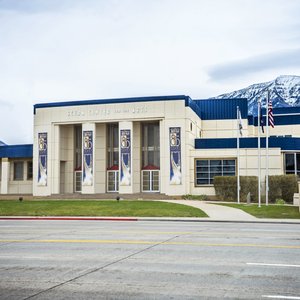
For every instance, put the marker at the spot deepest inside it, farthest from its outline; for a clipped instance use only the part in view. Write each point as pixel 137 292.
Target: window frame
pixel 15 163
pixel 296 170
pixel 28 170
pixel 222 159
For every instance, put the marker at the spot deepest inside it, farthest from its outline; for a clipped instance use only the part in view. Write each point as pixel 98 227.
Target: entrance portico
pixel 95 147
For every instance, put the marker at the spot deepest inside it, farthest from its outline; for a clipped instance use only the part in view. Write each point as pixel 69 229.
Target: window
pixel 18 170
pixel 206 169
pixel 29 170
pixel 292 163
pixel 112 146
pixel 78 147
pixel 150 145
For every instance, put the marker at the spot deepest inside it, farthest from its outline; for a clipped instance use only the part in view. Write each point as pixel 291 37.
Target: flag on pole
pixel 240 124
pixel 261 120
pixel 270 114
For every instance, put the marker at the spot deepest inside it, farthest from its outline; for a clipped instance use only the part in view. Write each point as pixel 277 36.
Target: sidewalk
pixel 222 213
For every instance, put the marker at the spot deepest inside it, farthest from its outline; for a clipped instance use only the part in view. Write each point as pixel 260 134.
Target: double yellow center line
pixel 140 242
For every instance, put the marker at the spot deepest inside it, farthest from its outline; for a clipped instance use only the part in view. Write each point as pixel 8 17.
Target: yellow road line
pixel 139 242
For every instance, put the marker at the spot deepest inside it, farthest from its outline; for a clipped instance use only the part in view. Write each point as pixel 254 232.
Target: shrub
pixel 195 197
pixel 279 201
pixel 283 187
pixel 226 187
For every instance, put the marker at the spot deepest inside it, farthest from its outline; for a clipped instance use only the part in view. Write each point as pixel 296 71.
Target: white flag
pixel 240 122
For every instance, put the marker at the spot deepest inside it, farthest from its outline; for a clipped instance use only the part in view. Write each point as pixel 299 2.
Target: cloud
pixel 34 6
pixel 5 104
pixel 281 60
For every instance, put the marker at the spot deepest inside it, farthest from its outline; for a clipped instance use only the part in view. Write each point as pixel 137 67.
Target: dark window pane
pixel 18 170
pixel 202 163
pixel 216 169
pixel 289 162
pixel 229 168
pixel 229 162
pixel 298 161
pixel 29 170
pixel 203 175
pixel 202 169
pixel 229 174
pixel 215 163
pixel 202 181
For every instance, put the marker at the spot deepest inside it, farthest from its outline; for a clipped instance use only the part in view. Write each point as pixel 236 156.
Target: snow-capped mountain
pixel 2 144
pixel 284 92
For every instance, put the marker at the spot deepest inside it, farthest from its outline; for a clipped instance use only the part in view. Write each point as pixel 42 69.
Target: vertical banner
pixel 125 153
pixel 87 176
pixel 175 156
pixel 43 156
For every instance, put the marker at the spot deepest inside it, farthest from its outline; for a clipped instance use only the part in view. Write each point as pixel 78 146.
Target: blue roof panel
pixel 17 151
pixel 222 109
pixel 110 101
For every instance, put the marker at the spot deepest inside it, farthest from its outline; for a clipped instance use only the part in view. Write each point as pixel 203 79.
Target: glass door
pixel 150 180
pixel 112 181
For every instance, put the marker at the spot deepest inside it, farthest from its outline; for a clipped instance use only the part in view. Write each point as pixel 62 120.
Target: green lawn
pixel 271 211
pixel 123 208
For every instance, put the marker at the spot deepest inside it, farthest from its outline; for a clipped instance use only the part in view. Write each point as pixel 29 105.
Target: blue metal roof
pixel 222 109
pixel 17 151
pixel 111 101
pixel 285 143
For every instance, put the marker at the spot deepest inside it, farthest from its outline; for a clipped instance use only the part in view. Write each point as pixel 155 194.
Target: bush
pixel 226 187
pixel 195 197
pixel 279 201
pixel 283 187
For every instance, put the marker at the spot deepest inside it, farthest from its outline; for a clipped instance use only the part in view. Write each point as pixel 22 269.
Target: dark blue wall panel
pixel 285 143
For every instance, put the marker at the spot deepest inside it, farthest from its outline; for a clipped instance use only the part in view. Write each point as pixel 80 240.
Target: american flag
pixel 270 114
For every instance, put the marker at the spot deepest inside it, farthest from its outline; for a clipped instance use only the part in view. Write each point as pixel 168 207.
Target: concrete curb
pixel 203 220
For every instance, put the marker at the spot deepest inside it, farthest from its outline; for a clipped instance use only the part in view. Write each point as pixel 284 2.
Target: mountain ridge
pixel 284 92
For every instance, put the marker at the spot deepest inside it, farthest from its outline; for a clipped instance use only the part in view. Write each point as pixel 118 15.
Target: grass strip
pixel 107 208
pixel 271 211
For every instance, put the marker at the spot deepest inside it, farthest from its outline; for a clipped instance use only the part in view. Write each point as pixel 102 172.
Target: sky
pixel 60 50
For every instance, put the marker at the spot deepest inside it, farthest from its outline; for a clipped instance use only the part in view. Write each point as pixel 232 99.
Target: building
pixel 170 144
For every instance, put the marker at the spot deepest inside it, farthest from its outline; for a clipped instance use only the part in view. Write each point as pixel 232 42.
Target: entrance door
pixel 112 181
pixel 78 180
pixel 150 180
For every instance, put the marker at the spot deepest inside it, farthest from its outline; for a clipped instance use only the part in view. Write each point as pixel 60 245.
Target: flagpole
pixel 258 141
pixel 267 148
pixel 238 154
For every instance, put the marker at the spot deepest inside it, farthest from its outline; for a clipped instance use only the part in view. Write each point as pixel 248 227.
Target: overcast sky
pixel 53 50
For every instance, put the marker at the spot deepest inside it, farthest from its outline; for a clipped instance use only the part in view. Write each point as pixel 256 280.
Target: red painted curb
pixel 70 219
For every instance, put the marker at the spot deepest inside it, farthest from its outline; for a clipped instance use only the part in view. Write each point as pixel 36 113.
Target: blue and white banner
pixel 43 157
pixel 175 156
pixel 125 155
pixel 88 152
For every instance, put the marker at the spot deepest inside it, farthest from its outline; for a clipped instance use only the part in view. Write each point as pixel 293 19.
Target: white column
pixel 164 167
pixel 88 185
pixel 136 158
pixel 56 160
pixel 126 182
pixel 5 175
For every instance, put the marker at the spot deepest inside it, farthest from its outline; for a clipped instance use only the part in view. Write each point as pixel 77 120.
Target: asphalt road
pixel 148 260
